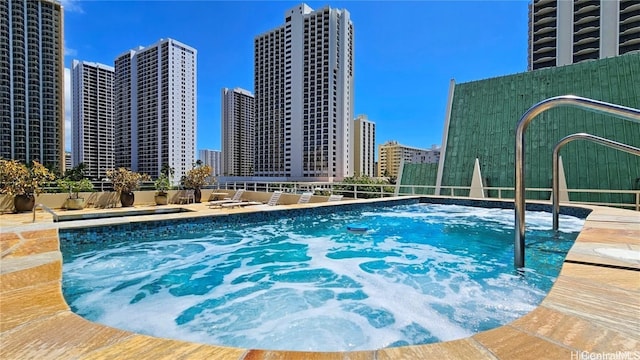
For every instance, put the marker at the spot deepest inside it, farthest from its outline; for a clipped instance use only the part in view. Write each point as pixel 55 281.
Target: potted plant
pixel 196 178
pixel 73 187
pixel 22 182
pixel 162 185
pixel 125 182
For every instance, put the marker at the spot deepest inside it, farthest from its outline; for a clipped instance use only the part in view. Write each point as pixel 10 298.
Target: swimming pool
pixel 306 283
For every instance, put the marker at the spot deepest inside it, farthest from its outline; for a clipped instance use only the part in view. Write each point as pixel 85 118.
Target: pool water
pixel 416 274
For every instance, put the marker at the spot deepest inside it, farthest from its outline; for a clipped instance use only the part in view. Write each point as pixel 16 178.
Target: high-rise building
pixel 563 32
pixel 364 146
pixel 32 82
pixel 304 96
pixel 238 132
pixel 391 154
pixel 68 162
pixel 155 108
pixel 212 158
pixel 92 117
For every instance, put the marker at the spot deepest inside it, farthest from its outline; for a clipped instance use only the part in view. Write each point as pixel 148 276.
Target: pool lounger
pixel 236 198
pixel 305 197
pixel 273 201
pixel 240 204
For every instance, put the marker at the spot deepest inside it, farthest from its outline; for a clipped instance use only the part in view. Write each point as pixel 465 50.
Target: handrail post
pixel 45 208
pixel 555 185
pixel 555 165
pixel 570 100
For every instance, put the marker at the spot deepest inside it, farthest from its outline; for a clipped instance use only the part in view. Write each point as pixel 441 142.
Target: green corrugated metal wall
pixel 485 113
pixel 418 174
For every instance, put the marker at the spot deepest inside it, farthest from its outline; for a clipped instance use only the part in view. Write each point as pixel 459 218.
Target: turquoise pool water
pixel 417 274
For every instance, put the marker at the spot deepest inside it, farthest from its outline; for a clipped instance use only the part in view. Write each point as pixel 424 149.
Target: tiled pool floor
pixel 592 310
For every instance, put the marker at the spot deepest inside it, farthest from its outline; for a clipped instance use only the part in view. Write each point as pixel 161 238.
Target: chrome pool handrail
pixel 619 111
pixel 555 189
pixel 45 208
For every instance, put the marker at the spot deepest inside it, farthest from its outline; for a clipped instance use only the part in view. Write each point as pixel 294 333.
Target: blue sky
pixel 405 52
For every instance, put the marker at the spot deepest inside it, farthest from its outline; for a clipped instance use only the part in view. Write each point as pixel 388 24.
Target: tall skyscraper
pixel 304 96
pixel 364 146
pixel 32 82
pixel 92 117
pixel 238 132
pixel 155 108
pixel 212 158
pixel 563 32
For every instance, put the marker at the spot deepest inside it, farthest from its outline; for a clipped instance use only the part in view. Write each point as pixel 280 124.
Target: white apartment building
pixel 391 154
pixel 212 158
pixel 563 32
pixel 238 132
pixel 92 117
pixel 431 156
pixel 32 82
pixel 304 96
pixel 364 146
pixel 155 108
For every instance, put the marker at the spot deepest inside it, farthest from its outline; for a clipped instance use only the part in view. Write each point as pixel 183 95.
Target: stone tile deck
pixel 593 307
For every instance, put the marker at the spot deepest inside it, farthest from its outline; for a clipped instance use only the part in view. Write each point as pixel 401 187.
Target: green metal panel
pixel 485 113
pixel 418 174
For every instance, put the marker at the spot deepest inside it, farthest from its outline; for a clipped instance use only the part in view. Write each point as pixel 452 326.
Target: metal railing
pixel 555 192
pixel 622 112
pixel 45 208
pixel 359 191
pixel 355 191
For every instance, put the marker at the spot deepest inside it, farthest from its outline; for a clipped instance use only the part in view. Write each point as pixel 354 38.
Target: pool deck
pixel 592 310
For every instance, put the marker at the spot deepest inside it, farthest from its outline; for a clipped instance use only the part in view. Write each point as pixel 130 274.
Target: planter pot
pixel 161 199
pixel 127 199
pixel 197 195
pixel 74 204
pixel 24 203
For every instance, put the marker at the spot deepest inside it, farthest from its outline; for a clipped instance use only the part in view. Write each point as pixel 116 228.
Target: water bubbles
pixel 419 274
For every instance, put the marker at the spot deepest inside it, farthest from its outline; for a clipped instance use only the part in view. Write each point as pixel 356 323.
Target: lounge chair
pixel 273 201
pixel 237 197
pixel 240 204
pixel 305 197
pixel 335 197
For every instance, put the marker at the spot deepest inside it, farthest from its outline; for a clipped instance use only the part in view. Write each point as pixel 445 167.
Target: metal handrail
pixel 622 112
pixel 555 193
pixel 45 208
pixel 412 189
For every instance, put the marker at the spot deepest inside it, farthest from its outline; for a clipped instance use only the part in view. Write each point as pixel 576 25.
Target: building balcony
pixel 586 30
pixel 587 19
pixel 588 8
pixel 545 20
pixel 630 20
pixel 544 30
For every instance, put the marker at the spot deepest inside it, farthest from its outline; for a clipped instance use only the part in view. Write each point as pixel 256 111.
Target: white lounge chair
pixel 305 197
pixel 240 204
pixel 273 201
pixel 237 197
pixel 335 197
